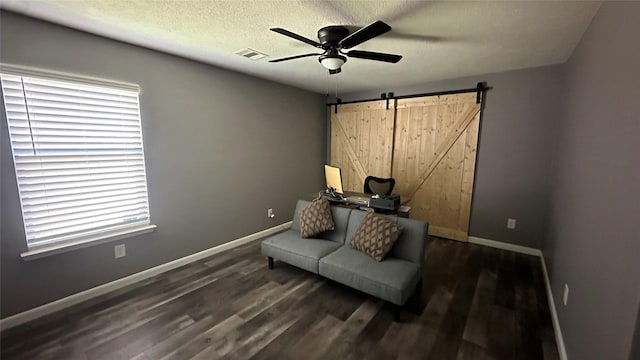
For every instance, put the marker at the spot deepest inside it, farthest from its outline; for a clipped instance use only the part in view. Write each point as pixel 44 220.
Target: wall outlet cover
pixel 511 223
pixel 120 251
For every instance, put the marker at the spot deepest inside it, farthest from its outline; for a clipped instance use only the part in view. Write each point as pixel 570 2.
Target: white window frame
pixel 62 242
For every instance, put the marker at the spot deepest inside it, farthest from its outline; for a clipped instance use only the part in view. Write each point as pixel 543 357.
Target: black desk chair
pixel 379 186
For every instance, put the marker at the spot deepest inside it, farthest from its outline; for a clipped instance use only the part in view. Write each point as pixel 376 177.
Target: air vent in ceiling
pixel 251 54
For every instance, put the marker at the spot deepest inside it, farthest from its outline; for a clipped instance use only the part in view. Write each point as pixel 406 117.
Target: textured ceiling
pixel 438 39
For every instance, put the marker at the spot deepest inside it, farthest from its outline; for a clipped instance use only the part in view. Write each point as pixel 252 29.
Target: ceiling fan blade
pixel 364 34
pixel 370 55
pixel 293 57
pixel 295 36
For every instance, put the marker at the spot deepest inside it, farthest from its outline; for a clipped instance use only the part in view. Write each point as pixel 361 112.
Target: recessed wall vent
pixel 251 54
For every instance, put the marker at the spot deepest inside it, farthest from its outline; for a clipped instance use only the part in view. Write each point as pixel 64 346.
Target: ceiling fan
pixel 334 39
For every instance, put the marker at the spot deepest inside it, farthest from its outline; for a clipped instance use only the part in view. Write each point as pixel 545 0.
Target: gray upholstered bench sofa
pixel 330 255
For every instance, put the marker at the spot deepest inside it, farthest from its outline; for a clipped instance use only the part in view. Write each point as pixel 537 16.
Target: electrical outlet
pixel 565 296
pixel 270 213
pixel 511 223
pixel 119 251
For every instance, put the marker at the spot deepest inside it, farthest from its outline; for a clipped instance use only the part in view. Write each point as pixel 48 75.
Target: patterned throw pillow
pixel 376 236
pixel 316 218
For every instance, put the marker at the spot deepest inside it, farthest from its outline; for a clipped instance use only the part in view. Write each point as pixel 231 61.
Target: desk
pixel 402 211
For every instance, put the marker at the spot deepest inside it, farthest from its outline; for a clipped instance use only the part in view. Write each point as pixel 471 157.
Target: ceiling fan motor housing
pixel 329 36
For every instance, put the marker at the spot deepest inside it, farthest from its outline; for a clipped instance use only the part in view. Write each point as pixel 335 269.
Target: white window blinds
pixel 79 161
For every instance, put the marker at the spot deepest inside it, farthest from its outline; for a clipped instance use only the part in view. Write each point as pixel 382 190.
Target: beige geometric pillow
pixel 316 218
pixel 376 236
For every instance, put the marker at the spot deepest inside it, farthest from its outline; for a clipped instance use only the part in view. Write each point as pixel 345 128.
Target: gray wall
pixel 517 138
pixel 594 242
pixel 219 148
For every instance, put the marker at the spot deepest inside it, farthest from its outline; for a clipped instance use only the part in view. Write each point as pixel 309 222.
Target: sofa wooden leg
pixel 396 312
pixel 270 259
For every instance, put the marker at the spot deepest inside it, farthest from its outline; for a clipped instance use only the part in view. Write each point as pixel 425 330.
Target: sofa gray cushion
pixel 295 224
pixel 410 245
pixel 355 219
pixel 340 219
pixel 289 247
pixel 393 279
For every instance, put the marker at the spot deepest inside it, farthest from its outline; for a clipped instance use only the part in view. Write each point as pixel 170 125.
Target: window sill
pixel 48 250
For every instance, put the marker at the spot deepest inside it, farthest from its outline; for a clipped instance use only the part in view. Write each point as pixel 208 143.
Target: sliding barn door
pixel 434 160
pixel 362 141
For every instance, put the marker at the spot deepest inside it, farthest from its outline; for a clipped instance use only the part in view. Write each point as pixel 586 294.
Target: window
pixel 79 161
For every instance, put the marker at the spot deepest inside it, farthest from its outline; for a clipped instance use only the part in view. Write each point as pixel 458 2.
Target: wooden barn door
pixel 434 160
pixel 362 141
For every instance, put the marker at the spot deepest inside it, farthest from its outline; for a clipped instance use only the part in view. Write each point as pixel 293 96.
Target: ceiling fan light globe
pixel 332 63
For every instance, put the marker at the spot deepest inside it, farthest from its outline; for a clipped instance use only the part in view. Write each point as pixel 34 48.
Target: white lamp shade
pixel 332 63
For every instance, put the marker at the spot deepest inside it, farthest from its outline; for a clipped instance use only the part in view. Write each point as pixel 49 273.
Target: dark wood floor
pixel 476 303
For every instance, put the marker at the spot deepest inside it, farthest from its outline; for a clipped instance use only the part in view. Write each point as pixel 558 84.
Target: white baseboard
pixel 562 351
pixel 552 304
pixel 505 246
pixel 77 298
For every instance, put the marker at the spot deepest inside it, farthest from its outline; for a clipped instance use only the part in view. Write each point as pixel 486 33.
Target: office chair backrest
pixel 379 186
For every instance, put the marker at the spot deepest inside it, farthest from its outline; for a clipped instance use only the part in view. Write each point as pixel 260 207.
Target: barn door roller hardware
pixel 479 89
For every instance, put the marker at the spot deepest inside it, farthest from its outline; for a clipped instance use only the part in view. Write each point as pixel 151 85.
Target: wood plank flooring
pixel 476 303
